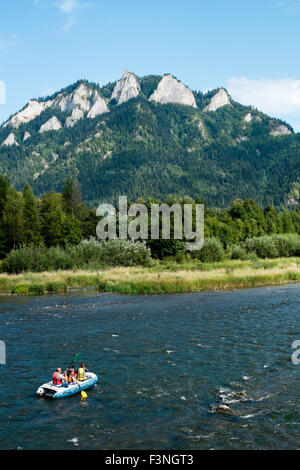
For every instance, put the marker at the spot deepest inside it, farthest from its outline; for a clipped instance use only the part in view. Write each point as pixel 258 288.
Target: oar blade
pixel 83 394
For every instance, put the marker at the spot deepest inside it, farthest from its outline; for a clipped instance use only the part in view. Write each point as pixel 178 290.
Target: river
pixel 164 364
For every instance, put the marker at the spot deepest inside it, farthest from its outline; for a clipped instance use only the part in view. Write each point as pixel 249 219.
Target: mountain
pixel 151 136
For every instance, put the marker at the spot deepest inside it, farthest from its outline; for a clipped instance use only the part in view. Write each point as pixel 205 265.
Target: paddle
pixel 75 359
pixel 83 394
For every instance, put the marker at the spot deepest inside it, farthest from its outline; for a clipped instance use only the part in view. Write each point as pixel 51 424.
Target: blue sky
pixel 250 47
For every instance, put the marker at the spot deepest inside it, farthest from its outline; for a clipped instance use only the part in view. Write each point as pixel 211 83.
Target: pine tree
pixel 13 219
pixel 4 186
pixel 72 197
pixel 30 217
pixel 52 218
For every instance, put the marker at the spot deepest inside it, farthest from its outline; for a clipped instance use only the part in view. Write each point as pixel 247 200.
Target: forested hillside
pixel 151 137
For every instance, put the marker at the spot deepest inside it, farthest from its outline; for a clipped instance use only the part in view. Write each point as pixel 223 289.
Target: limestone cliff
pixel 126 88
pixel 10 140
pixel 219 100
pixel 52 125
pixel 31 111
pixel 280 130
pixel 170 90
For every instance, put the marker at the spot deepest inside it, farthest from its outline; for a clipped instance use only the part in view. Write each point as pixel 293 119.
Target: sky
pixel 249 47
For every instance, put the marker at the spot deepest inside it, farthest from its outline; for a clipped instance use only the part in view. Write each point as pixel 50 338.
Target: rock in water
pixel 242 394
pixel 224 409
pixel 126 88
pixel 170 90
pixel 219 100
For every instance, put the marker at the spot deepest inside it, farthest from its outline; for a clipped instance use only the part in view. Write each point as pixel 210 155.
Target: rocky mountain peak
pixel 126 88
pixel 31 111
pixel 220 99
pixel 98 107
pixel 83 99
pixel 80 97
pixel 170 90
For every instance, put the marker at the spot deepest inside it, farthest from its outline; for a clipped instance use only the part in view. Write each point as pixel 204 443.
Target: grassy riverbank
pixel 160 278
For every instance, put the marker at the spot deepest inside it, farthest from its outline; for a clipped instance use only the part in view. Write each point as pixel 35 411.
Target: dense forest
pixel 146 149
pixel 62 221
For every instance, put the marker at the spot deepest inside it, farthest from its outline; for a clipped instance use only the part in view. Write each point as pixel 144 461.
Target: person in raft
pixel 73 372
pixel 81 373
pixel 71 376
pixel 58 377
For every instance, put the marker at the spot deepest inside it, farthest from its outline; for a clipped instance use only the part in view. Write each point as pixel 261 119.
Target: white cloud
pixel 70 8
pixel 279 97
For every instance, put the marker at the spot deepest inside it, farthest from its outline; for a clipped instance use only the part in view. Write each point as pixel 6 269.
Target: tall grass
pixel 158 279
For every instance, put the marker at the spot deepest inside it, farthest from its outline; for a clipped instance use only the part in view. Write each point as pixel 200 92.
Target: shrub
pixel 180 258
pixel 274 246
pixel 22 289
pixel 87 254
pixel 263 247
pixel 211 252
pixel 239 253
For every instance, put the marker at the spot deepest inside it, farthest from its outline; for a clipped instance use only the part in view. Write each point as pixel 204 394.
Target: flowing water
pixel 164 363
